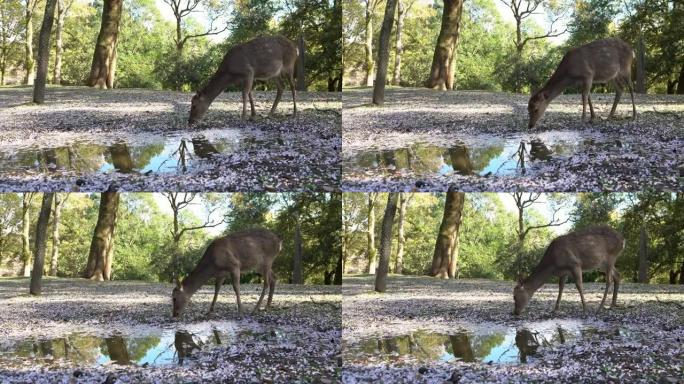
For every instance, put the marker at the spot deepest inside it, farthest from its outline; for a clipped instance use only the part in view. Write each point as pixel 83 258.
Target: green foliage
pixel 591 20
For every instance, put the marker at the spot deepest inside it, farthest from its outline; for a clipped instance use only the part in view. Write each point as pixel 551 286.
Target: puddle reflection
pixel 497 157
pixel 497 346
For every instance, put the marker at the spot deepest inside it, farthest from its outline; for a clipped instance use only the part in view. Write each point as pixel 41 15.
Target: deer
pixel 595 247
pixel 606 61
pixel 262 58
pixel 247 250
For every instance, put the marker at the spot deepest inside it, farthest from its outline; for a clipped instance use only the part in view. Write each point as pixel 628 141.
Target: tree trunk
pixel 102 246
pixel 28 44
pixel 41 243
pixel 386 242
pixel 643 256
pixel 55 235
pixel 25 233
pixel 441 76
pixel 301 76
pixel 339 270
pixel 681 274
pixel 680 83
pixel 369 44
pixel 640 67
pixel 44 52
pixel 404 199
pixel 104 60
pixel 383 53
pixel 399 46
pixel 442 261
pixel 297 261
pixel 370 234
pixel 59 49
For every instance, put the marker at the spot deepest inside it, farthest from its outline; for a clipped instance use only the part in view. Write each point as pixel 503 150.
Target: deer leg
pixel 251 102
pixel 609 279
pixel 290 80
pixel 279 94
pixel 265 276
pixel 577 275
pixel 235 277
pixel 271 288
pixel 591 107
pixel 616 284
pixel 586 89
pixel 561 285
pixel 217 288
pixel 630 86
pixel 618 94
pixel 246 90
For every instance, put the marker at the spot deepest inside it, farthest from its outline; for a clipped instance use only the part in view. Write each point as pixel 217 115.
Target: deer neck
pixel 556 85
pixel 214 87
pixel 194 281
pixel 537 279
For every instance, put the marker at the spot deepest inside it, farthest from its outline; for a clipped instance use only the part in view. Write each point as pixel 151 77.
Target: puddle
pixel 498 157
pixel 491 345
pixel 149 155
pixel 165 347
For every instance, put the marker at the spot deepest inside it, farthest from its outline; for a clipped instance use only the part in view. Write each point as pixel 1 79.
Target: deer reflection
pixel 49 157
pixel 185 345
pixel 460 159
pixel 203 148
pixel 539 150
pixel 527 344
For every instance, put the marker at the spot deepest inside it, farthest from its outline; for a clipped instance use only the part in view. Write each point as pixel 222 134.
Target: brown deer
pixel 262 58
pixel 602 61
pixel 248 250
pixel 592 248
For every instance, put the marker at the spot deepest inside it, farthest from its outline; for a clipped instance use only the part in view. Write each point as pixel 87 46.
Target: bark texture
pixel 386 242
pixel 441 74
pixel 56 242
pixel 44 52
pixel 41 243
pixel 383 52
pixel 444 258
pixel 99 265
pixel 297 260
pixel 103 69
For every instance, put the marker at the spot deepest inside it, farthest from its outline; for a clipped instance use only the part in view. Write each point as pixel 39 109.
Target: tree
pixel 41 243
pixel 643 256
pixel 445 258
pixel 44 52
pixel 368 47
pixel 29 9
pixel 441 75
pixel 103 68
pixel 10 20
pixel 56 217
pixel 99 265
pixel 25 233
pixel 370 233
pixel 404 200
pixel 402 10
pixel 183 8
pixel 523 9
pixel 62 10
pixel 386 242
pixel 297 277
pixel 383 53
pixel 180 201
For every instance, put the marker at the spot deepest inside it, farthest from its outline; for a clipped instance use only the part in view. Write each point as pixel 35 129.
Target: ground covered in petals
pixel 81 331
pixel 463 331
pixel 429 140
pixel 93 140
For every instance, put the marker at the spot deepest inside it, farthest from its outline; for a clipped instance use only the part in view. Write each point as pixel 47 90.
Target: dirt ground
pixel 92 140
pixel 408 144
pixel 639 341
pixel 297 340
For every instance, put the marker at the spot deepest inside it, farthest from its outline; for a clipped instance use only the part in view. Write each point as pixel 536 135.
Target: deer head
pixel 537 106
pixel 180 299
pixel 198 108
pixel 521 297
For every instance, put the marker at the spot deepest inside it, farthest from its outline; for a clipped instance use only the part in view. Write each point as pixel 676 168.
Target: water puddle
pixel 164 347
pixel 165 155
pixel 491 345
pixel 498 157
